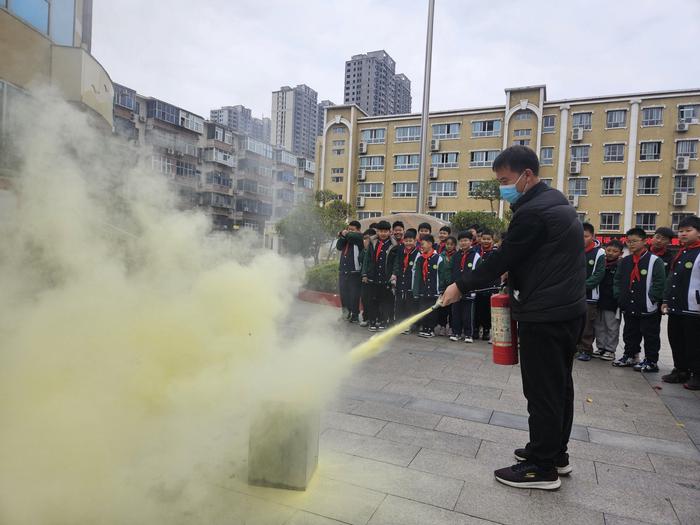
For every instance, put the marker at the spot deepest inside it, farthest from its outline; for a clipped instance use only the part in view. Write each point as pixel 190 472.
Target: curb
pixel 324 298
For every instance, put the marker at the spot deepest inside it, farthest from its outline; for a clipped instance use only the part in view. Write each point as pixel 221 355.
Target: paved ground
pixel 416 433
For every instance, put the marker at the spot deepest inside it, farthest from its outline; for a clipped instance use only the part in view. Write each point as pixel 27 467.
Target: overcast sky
pixel 207 53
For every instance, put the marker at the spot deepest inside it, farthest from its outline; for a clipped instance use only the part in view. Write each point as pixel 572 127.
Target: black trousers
pixel 638 327
pixel 482 311
pixel 380 303
pixel 684 337
pixel 349 288
pixel 405 305
pixel 444 316
pixel 463 317
pixel 546 360
pixel 430 320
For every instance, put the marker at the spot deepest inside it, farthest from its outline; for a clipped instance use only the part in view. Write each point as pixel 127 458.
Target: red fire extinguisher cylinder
pixel 504 332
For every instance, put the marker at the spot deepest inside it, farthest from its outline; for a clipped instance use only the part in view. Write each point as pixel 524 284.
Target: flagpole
pixel 424 153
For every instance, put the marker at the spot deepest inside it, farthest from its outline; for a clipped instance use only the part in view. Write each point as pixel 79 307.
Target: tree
pixel 464 219
pixel 487 190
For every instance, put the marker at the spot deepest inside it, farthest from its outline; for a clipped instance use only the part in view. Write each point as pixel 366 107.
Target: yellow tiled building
pixel 624 161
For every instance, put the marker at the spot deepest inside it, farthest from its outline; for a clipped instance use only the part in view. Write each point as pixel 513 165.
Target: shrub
pixel 464 219
pixel 323 278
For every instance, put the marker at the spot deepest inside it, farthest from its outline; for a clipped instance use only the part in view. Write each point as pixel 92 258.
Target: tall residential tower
pixel 294 121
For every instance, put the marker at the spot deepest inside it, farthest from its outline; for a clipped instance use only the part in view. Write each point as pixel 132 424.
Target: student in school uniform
pixel 465 261
pixel 349 243
pixel 482 302
pixel 443 234
pixel 376 271
pixel 595 271
pixel 607 324
pixel 402 277
pixel 444 313
pixel 424 228
pixel 426 283
pixel 660 245
pixel 365 287
pixel 397 230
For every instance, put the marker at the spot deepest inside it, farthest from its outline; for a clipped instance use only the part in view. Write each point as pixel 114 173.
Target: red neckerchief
pixel 592 245
pixel 449 254
pixel 611 264
pixel 658 252
pixel 346 248
pixel 464 260
pixel 683 250
pixel 380 245
pixel 406 257
pixel 426 263
pixel 636 275
pixel 441 247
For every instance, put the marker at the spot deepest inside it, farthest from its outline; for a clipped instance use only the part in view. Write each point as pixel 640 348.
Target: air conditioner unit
pixel 363 148
pixel 575 167
pixel 433 172
pixel 142 119
pixel 577 134
pixel 360 202
pixel 682 126
pixel 362 175
pixel 680 198
pixel 435 145
pixel 682 163
pixel 170 151
pixel 573 200
pixel 179 153
pixel 432 201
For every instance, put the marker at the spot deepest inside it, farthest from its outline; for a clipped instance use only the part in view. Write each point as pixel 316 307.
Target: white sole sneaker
pixel 562 471
pixel 542 485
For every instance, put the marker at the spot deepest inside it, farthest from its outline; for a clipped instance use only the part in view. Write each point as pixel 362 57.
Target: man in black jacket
pixel 349 243
pixel 543 255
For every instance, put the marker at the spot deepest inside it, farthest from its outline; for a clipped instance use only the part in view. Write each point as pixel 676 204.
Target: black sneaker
pixel 528 476
pixel 486 336
pixel 676 376
pixel 372 327
pixel 564 468
pixel 381 327
pixel 693 383
pixel 646 367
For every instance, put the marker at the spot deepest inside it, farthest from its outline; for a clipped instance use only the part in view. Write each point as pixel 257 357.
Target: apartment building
pixel 294 120
pixel 371 83
pixel 623 160
pixel 240 119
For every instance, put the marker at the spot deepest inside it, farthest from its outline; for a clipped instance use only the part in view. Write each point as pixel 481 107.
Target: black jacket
pixel 350 247
pixel 641 296
pixel 682 293
pixel 606 299
pixel 543 255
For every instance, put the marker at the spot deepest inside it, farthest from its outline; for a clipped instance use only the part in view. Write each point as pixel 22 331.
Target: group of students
pixel 639 288
pixel 397 272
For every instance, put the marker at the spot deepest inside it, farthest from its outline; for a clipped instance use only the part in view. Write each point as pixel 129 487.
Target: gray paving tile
pixel 453 466
pixel 606 423
pixel 670 431
pixel 692 427
pixel 351 423
pixel 422 392
pixel 400 511
pixel 450 409
pixel 372 395
pixel 687 511
pixel 306 518
pixel 611 519
pixel 431 439
pixel 642 443
pixel 397 414
pixel 683 407
pixel 503 419
pixel 236 507
pixel 610 455
pixel 391 479
pixel 681 467
pixel 474 391
pixel 648 483
pixel 368 447
pixel 474 429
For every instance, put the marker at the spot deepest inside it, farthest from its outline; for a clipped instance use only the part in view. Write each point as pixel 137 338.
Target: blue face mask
pixel 510 193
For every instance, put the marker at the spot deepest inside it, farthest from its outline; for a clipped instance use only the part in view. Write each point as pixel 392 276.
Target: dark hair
pixel 638 232
pixel 413 231
pixel 474 227
pixel 356 224
pixel 446 229
pixel 615 244
pixel 370 231
pixel 408 234
pixel 426 226
pixel 588 227
pixel 690 222
pixel 428 238
pixel 486 231
pixel 665 231
pixel 373 225
pixel 517 158
pixel 383 225
pixel 466 234
pixel 451 238
pixel 397 223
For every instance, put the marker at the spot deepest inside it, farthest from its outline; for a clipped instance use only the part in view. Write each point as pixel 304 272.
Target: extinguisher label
pixel 501 326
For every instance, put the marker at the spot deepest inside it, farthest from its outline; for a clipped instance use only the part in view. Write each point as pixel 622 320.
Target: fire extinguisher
pixel 504 331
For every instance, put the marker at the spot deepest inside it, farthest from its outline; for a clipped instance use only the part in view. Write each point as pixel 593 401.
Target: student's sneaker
pixel 381 327
pixel 454 337
pixel 562 464
pixel 527 475
pixel 486 336
pixel 373 327
pixel 646 366
pixel 426 333
pixel 598 353
pixel 625 361
pixel 676 376
pixel 364 323
pixel 584 356
pixel 693 383
pixel 607 355
pixel 468 340
pixel 353 319
pixel 406 332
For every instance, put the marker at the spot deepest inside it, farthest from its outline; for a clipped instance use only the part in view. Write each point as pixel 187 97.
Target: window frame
pixel 364 190
pixel 604 228
pixel 614 111
pixel 603 188
pixel 406 194
pixel 656 178
pixel 442 193
pixel 615 158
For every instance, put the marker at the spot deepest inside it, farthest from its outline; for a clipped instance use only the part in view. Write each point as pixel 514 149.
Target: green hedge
pixel 323 278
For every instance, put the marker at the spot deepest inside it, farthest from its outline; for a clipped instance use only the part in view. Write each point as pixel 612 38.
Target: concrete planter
pixel 312 296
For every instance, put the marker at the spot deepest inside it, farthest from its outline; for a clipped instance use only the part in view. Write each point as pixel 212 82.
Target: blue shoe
pixel 583 356
pixel 646 366
pixel 625 361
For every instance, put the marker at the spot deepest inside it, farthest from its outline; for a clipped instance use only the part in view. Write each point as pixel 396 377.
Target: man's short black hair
pixel 413 231
pixel 383 225
pixel 446 229
pixel 428 237
pixel 616 244
pixel 638 232
pixel 373 225
pixel 465 234
pixel 474 227
pixel 517 158
pixel 451 238
pixel 397 223
pixel 410 234
pixel 588 227
pixel 665 231
pixel 425 226
pixel 486 231
pixel 370 231
pixel 690 222
pixel 356 224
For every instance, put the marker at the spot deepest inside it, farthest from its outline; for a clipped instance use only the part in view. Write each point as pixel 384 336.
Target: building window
pixel 338 152
pixel 687 148
pixel 648 185
pixel 405 189
pixel 162 111
pixel 616 118
pixel 582 120
pixel 653 117
pixel 124 97
pixel 581 216
pixel 474 186
pixel 446 131
pixel 361 215
pixel 547 182
pixel 684 183
pixel 609 222
pixel 408 134
pixel 580 153
pixel 486 128
pixel 336 178
pixel 34 12
pixel 482 159
pixel 688 113
pixel 336 171
pixel 612 185
pixel 578 187
pixel 650 151
pixel 548 123
pixel 646 221
pixel 547 156
pixel 338 143
pixel 185 169
pixel 443 189
pixel 370 189
pixel 445 160
pixel 191 122
pixel 523 115
pixel 406 162
pixel 443 215
pixel 338 130
pixel 373 136
pixel 372 163
pixel 522 132
pixel 676 218
pixel 521 142
pixel 163 164
pixel 614 153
